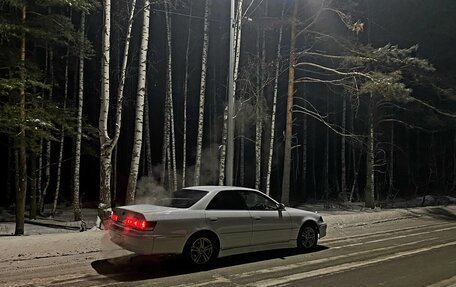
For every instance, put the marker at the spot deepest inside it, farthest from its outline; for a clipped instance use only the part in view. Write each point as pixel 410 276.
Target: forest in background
pixel 108 103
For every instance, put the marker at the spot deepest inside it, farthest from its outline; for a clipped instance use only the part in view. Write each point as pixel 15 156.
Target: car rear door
pixel 269 224
pixel 228 216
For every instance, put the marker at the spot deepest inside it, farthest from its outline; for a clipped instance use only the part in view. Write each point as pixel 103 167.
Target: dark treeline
pixel 367 87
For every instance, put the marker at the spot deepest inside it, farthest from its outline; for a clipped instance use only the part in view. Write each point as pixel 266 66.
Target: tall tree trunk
pixel 370 180
pixel 39 176
pixel 258 113
pixel 21 138
pixel 242 151
pixel 199 139
pixel 289 113
pixel 173 146
pixel 77 150
pixel 274 107
pixel 169 90
pixel 187 74
pixel 107 144
pixel 223 147
pixel 166 131
pixel 237 47
pixel 62 140
pixel 137 141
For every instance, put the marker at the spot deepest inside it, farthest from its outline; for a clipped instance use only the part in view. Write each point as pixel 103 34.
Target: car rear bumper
pixel 146 242
pixel 133 241
pixel 322 229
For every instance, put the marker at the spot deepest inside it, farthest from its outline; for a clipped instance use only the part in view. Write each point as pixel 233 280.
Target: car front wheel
pixel 307 237
pixel 201 250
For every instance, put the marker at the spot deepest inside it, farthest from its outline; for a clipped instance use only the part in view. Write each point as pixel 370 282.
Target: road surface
pixel 409 251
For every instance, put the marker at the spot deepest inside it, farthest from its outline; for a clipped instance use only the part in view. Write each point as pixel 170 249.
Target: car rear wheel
pixel 307 237
pixel 201 250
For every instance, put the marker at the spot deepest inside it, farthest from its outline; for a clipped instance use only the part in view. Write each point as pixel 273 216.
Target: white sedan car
pixel 206 222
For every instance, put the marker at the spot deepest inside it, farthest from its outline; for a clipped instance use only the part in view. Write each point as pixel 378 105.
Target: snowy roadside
pixel 48 245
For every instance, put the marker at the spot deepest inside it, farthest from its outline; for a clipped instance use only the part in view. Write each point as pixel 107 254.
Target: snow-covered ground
pixel 47 247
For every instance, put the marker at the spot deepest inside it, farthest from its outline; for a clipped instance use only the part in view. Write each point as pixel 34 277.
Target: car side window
pixel 256 201
pixel 227 200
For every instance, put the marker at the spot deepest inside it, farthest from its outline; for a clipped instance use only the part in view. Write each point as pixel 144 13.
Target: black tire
pixel 307 237
pixel 201 249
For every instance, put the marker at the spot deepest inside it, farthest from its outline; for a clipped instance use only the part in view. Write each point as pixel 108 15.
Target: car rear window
pixel 183 198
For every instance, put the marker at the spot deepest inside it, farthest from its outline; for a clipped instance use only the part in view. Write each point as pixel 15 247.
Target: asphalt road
pixel 406 252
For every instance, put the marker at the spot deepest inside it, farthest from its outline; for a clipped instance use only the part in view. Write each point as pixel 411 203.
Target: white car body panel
pixel 271 227
pixel 238 231
pixel 234 228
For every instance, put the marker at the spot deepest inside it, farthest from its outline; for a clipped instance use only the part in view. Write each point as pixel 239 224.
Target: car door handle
pixel 213 218
pixel 257 218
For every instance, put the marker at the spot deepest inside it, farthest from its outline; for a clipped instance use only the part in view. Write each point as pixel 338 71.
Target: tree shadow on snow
pixel 141 267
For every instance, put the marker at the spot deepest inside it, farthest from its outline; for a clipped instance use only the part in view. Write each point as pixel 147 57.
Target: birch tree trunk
pixel 199 141
pixel 107 144
pixel 21 138
pixel 242 151
pixel 223 147
pixel 187 53
pixel 289 112
pixel 39 176
pixel 137 141
pixel 237 37
pixel 166 131
pixel 62 141
pixel 77 150
pixel 173 145
pixel 370 180
pixel 258 114
pixel 169 90
pixel 274 107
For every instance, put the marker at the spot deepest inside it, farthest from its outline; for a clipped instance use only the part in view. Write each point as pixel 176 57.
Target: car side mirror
pixel 280 207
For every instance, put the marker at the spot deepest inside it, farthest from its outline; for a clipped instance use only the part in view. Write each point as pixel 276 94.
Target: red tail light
pixel 114 217
pixel 138 223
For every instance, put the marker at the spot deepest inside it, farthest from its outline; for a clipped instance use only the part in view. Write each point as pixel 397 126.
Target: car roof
pixel 216 188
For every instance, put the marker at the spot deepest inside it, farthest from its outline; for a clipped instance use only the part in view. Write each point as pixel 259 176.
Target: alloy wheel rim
pixel 201 250
pixel 308 237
